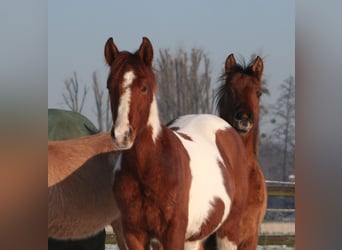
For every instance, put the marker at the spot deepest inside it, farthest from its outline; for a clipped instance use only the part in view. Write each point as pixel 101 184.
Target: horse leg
pixel 249 235
pixel 250 243
pixel 155 245
pixel 193 245
pixel 137 240
pixel 227 236
pixel 254 212
pixel 174 237
pixel 225 244
pixel 118 231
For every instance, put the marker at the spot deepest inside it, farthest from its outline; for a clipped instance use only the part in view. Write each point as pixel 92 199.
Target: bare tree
pixel 184 85
pixel 284 121
pixel 184 88
pixel 109 121
pixel 102 107
pixel 71 97
pixel 98 95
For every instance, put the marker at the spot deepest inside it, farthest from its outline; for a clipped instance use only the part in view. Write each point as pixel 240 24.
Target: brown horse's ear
pixel 110 51
pixel 258 67
pixel 145 51
pixel 230 63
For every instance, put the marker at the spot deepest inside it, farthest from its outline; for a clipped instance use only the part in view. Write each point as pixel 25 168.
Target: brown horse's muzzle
pixel 243 122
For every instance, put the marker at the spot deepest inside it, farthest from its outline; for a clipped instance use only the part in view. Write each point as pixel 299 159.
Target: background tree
pixel 102 112
pixel 283 133
pixel 71 97
pixel 184 84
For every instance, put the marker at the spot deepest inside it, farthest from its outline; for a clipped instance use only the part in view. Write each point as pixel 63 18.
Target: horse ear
pixel 110 51
pixel 258 66
pixel 230 63
pixel 145 51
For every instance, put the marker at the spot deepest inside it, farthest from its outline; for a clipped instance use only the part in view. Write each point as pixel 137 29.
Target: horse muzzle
pixel 243 122
pixel 122 137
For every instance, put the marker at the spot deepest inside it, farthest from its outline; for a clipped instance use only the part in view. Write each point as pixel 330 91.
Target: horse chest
pixel 144 205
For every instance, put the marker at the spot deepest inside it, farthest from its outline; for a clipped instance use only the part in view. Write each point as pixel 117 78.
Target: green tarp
pixel 64 124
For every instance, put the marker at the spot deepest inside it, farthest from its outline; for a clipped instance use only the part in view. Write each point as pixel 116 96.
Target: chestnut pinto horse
pixel 179 185
pixel 238 104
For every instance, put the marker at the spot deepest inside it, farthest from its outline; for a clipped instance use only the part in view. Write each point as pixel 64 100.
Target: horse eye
pixel 144 89
pixel 259 93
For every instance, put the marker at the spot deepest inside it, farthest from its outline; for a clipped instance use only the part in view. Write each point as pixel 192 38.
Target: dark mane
pixel 240 67
pixel 219 93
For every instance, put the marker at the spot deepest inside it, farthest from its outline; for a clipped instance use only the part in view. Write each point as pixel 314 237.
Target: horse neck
pixel 141 158
pixel 251 141
pixel 147 141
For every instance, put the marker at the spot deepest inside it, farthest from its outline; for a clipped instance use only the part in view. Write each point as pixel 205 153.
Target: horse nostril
pixel 242 116
pixel 128 133
pixel 238 116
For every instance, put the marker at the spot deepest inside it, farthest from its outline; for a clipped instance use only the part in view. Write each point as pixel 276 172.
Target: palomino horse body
pixel 176 185
pixel 238 104
pixel 80 179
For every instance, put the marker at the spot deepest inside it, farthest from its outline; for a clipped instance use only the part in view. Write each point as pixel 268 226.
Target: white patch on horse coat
pixel 122 123
pixel 192 245
pixel 153 119
pixel 224 243
pixel 207 181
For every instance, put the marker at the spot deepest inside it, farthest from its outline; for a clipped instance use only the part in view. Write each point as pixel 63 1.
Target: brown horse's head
pixel 131 85
pixel 238 98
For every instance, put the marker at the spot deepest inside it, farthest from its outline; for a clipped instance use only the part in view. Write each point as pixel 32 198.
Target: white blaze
pixel 121 122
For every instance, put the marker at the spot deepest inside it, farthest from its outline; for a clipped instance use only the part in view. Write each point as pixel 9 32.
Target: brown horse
pixel 80 179
pixel 176 184
pixel 238 104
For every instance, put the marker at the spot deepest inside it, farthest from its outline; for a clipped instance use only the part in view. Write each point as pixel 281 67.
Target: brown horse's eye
pixel 259 93
pixel 144 89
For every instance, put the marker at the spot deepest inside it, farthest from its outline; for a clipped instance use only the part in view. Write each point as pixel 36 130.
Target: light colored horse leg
pixel 225 244
pixel 118 231
pixel 193 245
pixel 155 245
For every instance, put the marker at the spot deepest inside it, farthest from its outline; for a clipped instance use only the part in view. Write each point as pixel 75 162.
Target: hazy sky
pixel 78 30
